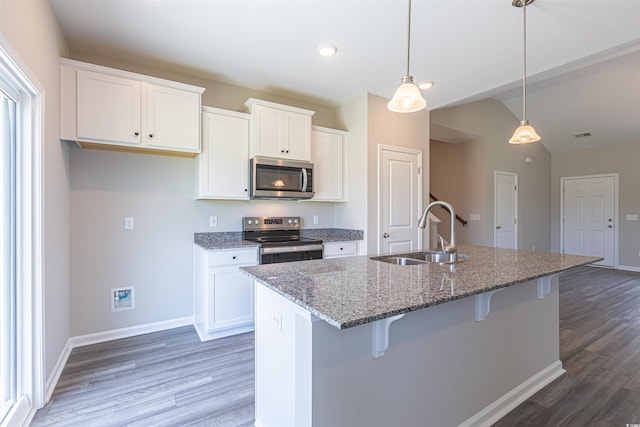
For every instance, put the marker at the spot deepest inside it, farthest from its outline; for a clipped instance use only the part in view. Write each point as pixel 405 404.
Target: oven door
pixel 281 179
pixel 290 253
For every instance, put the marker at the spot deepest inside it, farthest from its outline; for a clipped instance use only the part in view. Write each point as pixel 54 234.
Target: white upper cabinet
pixel 329 157
pixel 171 122
pixel 112 109
pixel 223 164
pixel 279 131
pixel 108 108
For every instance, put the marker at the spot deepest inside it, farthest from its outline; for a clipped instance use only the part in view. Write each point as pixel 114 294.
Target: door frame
pixel 405 150
pixel 495 211
pixel 615 210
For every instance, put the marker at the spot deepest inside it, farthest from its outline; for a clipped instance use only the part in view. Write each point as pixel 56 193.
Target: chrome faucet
pixel 451 250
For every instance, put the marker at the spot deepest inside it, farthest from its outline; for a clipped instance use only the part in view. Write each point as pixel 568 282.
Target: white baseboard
pixel 82 340
pixel 515 397
pixel 628 268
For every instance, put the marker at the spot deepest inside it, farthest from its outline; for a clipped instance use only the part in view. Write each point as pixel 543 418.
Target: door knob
pixel 385 235
pixel 610 226
pixel 499 227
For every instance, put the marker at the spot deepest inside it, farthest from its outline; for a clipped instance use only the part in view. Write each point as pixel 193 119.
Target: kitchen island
pixel 360 342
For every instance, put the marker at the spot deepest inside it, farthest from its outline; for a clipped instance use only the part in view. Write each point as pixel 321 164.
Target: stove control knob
pixel 295 221
pixel 290 221
pixel 249 222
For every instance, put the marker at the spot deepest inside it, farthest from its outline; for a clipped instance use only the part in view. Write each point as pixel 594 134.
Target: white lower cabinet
pixel 340 249
pixel 223 295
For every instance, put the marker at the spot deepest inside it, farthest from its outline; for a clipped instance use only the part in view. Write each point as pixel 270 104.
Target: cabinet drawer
pixel 233 257
pixel 340 249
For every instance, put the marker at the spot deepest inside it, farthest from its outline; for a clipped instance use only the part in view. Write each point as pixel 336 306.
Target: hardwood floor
pixel 166 378
pixel 169 378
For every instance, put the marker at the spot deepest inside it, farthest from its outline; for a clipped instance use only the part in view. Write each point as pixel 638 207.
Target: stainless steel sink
pixel 432 256
pixel 418 258
pixel 399 260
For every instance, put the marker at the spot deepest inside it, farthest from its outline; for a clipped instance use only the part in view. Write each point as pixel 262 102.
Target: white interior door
pixel 505 210
pixel 589 217
pixel 400 190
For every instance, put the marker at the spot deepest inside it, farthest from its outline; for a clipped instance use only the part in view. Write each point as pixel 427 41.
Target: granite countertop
pixel 347 292
pixel 223 240
pixel 233 239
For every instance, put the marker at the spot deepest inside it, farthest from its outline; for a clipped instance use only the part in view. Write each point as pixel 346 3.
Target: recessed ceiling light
pixel 425 85
pixel 327 49
pixel 582 135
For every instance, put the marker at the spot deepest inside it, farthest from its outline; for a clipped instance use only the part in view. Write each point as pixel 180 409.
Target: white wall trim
pixel 99 337
pixel 508 402
pixel 628 268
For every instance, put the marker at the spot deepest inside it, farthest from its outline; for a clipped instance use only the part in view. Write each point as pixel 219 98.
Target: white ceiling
pixel 583 56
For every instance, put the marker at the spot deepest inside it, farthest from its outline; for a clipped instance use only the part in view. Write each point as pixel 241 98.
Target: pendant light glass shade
pixel 525 133
pixel 407 98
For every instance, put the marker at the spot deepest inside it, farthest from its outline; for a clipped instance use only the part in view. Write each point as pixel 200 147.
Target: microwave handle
pixel 304 179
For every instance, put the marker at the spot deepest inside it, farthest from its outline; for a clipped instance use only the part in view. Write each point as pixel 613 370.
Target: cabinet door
pixel 268 132
pixel 231 296
pixel 328 152
pixel 297 142
pixel 223 164
pixel 108 109
pixel 172 119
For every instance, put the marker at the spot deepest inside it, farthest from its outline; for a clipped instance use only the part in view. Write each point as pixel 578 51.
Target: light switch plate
pixel 474 217
pixel 632 217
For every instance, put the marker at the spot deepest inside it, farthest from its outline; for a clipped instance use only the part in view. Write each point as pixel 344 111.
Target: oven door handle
pixel 304 179
pixel 284 249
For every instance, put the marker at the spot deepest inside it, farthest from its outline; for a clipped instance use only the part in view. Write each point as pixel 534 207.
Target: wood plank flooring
pixel 170 378
pixel 166 378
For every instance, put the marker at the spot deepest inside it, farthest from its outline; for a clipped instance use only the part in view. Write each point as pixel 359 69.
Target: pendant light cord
pixel 409 38
pixel 524 68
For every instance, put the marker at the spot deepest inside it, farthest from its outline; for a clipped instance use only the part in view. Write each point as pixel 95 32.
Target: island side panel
pixel 441 368
pixel 283 344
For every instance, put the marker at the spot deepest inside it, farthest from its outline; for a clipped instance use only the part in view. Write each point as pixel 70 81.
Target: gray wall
pixel 621 159
pixel 494 124
pixel 31 29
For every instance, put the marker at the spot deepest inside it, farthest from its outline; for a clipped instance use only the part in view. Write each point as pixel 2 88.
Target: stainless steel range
pixel 280 239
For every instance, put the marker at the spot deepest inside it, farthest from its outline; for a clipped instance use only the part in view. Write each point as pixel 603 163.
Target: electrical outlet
pixel 276 318
pixel 213 221
pixel 128 223
pixel 316 220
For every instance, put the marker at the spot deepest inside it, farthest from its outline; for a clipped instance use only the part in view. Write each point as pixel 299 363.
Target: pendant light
pixel 407 98
pixel 525 133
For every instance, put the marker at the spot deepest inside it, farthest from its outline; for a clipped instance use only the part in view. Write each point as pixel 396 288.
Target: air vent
pixel 582 135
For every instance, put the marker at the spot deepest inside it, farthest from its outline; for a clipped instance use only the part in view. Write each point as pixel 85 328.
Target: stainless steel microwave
pixel 281 179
